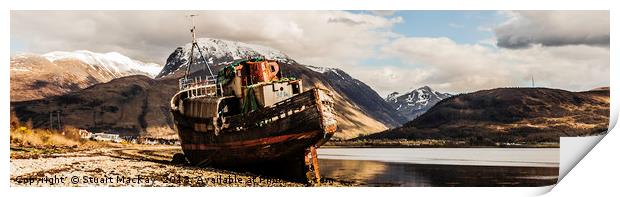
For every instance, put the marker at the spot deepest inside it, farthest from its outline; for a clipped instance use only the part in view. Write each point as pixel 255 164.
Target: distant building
pixel 147 140
pixel 130 139
pixel 106 137
pixel 84 134
pixel 158 140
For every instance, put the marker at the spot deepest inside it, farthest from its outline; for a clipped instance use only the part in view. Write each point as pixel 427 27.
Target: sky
pixel 450 51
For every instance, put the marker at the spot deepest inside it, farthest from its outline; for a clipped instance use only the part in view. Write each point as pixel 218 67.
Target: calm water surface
pixel 441 166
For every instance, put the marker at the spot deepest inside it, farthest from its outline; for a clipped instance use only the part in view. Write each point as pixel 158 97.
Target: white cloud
pixel 554 28
pixel 491 42
pixel 312 37
pixel 343 39
pixel 386 79
pixel 443 64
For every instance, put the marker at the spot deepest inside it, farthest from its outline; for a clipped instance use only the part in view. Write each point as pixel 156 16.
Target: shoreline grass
pixel 27 142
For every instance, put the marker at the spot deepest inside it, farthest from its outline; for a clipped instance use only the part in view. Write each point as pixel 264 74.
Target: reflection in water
pixel 526 157
pixel 441 167
pixel 375 173
pixel 351 170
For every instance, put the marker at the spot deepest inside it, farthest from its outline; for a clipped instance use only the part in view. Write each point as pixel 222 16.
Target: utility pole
pixel 55 119
pixel 59 123
pixel 51 122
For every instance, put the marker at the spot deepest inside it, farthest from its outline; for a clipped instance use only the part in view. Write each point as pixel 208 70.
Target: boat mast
pixel 191 52
pixel 195 44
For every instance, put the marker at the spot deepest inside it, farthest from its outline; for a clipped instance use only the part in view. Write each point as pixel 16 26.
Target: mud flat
pixel 131 166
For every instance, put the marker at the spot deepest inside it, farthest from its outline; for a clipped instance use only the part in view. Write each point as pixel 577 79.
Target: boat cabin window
pixel 296 88
pixel 229 106
pixel 273 68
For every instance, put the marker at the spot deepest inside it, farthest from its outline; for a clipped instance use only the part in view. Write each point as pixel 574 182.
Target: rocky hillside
pixel 510 115
pixel 415 102
pixel 133 105
pixel 56 73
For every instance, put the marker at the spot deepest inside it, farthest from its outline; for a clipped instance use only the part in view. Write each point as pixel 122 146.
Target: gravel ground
pixel 135 166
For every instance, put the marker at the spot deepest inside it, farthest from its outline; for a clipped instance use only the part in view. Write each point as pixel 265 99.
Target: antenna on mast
pixel 195 45
pixel 193 30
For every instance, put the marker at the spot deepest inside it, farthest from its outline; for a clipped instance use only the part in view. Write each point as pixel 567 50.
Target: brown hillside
pixel 138 105
pixel 510 115
pixel 134 105
pixel 34 77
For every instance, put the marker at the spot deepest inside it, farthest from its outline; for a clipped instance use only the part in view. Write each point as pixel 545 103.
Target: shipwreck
pixel 250 117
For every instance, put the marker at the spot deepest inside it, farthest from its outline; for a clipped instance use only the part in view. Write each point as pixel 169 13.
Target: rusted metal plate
pixel 250 143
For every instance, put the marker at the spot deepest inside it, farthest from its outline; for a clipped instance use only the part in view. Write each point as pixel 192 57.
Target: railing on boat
pixel 185 83
pixel 199 86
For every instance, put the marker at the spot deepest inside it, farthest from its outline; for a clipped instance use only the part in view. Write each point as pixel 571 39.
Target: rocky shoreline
pixel 131 166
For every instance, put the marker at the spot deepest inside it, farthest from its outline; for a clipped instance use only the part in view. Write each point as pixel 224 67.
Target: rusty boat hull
pixel 274 140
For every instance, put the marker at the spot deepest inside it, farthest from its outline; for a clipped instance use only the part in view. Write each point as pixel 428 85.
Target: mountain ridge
pixel 35 76
pixel 139 105
pixel 113 62
pixel 415 102
pixel 219 51
pixel 509 115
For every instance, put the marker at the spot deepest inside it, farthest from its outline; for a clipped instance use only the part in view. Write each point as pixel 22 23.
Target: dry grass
pixel 26 138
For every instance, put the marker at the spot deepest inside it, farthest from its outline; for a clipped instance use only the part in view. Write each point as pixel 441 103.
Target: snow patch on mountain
pixel 392 97
pixel 319 69
pixel 219 48
pixel 323 70
pixel 218 52
pixel 113 62
pixel 415 102
pixel 16 64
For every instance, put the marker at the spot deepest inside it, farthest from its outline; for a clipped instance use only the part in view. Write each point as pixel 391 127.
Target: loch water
pixel 441 167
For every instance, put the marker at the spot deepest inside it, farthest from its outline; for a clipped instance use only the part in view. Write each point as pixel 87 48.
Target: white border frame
pixel 595 175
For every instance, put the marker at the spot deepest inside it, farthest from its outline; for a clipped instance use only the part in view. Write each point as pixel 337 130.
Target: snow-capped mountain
pixel 113 64
pixel 36 76
pixel 340 74
pixel 217 52
pixel 414 103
